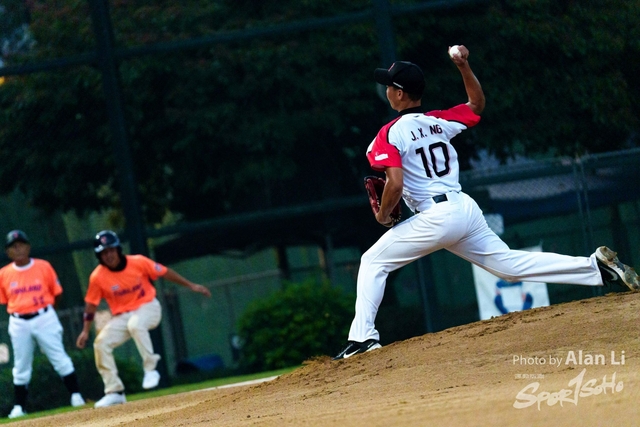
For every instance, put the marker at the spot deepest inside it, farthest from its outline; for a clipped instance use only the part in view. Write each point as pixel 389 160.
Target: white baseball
pixel 454 51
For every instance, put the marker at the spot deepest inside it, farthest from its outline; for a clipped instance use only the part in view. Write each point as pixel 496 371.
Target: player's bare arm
pixel 391 194
pixel 471 84
pixel 89 313
pixel 174 277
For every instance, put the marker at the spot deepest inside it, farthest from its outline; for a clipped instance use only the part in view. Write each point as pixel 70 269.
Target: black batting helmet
pixel 105 239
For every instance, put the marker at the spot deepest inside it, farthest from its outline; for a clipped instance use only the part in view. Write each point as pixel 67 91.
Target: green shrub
pixel 47 391
pixel 302 321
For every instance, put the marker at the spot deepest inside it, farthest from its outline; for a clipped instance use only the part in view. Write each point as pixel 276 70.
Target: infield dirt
pixel 464 376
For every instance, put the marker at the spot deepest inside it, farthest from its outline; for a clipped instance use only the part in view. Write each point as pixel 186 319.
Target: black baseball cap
pixel 403 75
pixel 16 236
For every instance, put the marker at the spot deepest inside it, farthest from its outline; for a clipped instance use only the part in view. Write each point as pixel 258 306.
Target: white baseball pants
pixel 45 330
pixel 133 324
pixel 458 226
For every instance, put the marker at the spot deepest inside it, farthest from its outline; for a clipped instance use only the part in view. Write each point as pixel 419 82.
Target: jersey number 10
pixel 441 147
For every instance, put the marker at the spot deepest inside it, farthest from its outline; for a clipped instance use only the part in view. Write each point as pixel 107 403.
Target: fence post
pixel 384 28
pixel 134 226
pixel 582 194
pixel 427 293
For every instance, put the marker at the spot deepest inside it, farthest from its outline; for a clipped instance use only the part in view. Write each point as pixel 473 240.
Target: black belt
pixel 30 315
pixel 439 198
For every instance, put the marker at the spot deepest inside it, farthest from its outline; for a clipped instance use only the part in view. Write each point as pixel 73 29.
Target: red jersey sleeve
pixel 381 153
pixel 460 113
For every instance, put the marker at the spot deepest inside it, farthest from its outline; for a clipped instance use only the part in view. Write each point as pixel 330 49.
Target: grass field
pixel 183 388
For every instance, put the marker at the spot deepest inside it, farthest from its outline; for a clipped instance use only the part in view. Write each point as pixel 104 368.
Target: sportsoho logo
pixel 577 388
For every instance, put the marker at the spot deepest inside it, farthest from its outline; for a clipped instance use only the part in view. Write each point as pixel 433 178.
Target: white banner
pixel 497 297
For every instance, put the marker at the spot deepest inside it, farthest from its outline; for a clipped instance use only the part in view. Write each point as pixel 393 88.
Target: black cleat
pixel 354 348
pixel 613 271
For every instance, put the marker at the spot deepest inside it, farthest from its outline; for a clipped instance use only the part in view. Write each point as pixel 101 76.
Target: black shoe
pixel 615 272
pixel 354 347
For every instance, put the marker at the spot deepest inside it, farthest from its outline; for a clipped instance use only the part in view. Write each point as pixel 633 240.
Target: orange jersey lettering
pixel 29 288
pixel 128 289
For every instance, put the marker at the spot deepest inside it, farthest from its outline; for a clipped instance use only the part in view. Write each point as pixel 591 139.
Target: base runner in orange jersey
pixel 125 283
pixel 29 288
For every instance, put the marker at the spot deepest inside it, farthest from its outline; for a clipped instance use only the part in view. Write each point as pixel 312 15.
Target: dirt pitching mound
pixel 566 365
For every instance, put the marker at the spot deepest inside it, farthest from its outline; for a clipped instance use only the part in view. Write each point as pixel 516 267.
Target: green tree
pixel 293 325
pixel 563 76
pixel 559 76
pixel 14 35
pixel 285 119
pixel 224 128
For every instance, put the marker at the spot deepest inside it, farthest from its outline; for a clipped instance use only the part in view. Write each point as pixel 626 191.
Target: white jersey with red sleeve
pixel 419 143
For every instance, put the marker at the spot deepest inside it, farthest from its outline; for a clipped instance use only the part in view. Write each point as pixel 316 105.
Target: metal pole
pixel 134 227
pixel 329 259
pixel 384 27
pixel 423 270
pixel 583 210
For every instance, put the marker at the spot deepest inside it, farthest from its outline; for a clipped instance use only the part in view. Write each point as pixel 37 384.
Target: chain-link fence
pixel 571 205
pixel 528 190
pixel 567 205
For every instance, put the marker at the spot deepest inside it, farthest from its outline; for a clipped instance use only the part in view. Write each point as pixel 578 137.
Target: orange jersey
pixel 29 288
pixel 128 289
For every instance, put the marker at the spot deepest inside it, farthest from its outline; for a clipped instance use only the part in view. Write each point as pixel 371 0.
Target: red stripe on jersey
pixel 460 113
pixel 383 154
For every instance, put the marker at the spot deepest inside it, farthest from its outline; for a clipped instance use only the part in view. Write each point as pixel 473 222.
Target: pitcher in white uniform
pixel 421 166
